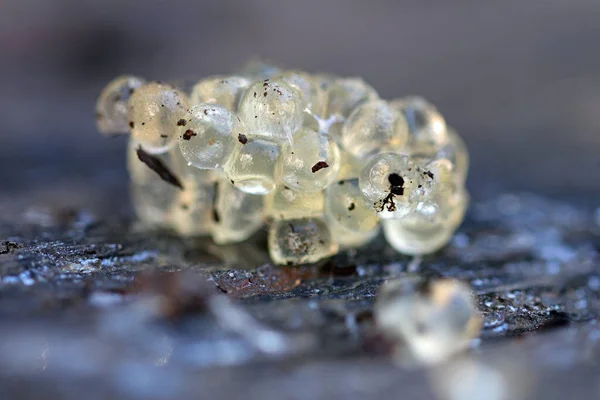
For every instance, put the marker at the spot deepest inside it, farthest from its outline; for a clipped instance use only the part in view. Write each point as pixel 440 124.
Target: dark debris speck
pixel 319 166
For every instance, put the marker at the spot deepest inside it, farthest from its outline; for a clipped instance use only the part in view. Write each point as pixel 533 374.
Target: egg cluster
pixel 323 160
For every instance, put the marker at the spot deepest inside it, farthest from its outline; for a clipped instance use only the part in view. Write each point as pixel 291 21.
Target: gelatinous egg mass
pixel 322 160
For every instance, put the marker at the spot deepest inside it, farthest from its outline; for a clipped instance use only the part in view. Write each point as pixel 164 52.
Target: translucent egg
pixel 207 133
pixel 272 109
pixel 392 184
pixel 433 319
pixel 350 166
pixel 426 126
pixel 440 187
pixel 285 203
pixel 374 127
pixel 254 166
pixel 192 209
pixel 154 110
pixel 300 241
pixel 456 151
pixel 313 97
pixel 236 215
pixel 344 204
pixel 311 163
pixel 111 107
pixel 345 94
pixel 225 91
pixel 347 239
pixel 428 228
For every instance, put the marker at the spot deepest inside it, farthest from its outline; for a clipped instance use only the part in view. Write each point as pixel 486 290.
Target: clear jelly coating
pixel 254 166
pixel 272 109
pixel 426 126
pixel 207 134
pixel 154 109
pixel 392 184
pixel 433 319
pixel 300 241
pixel 111 107
pixel 225 91
pixel 374 127
pixel 285 203
pixel 311 162
pixel 236 215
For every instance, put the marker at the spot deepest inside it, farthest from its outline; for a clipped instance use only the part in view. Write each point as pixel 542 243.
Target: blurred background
pixel 520 80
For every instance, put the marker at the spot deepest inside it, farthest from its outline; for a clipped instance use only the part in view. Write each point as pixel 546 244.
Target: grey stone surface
pixel 93 306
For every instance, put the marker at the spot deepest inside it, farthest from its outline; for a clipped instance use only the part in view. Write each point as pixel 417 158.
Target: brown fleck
pixel 164 136
pixel 182 122
pixel 351 207
pixel 319 166
pixel 215 212
pixel 156 165
pixel 265 94
pixel 188 134
pixel 205 112
pixel 254 94
pixel 242 138
pixel 429 174
pixel 131 124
